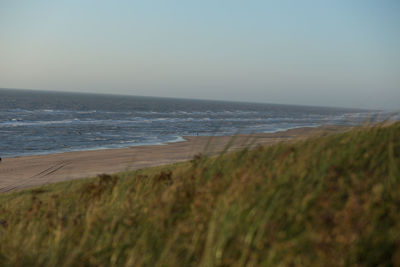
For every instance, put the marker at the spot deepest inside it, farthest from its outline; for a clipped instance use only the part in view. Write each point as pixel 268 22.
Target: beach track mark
pixel 46 172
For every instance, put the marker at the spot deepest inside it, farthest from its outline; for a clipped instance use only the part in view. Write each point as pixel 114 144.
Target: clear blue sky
pixel 331 53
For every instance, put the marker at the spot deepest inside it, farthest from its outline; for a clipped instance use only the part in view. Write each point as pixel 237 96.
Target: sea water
pixel 39 122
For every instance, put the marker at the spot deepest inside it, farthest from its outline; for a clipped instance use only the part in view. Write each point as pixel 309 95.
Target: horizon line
pixel 185 98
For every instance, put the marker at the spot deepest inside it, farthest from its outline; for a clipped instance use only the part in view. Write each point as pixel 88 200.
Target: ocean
pixel 39 122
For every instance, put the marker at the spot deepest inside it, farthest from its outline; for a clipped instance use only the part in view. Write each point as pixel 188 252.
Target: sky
pixel 341 53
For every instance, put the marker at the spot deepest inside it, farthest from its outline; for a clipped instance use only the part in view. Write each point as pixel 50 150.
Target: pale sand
pixel 23 172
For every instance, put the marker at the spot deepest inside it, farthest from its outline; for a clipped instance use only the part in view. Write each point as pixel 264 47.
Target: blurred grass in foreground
pixel 331 200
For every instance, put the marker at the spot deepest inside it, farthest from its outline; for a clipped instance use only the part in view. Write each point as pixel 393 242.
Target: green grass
pixel 327 201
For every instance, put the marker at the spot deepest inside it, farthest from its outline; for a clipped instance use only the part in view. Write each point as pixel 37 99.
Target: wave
pixel 348 119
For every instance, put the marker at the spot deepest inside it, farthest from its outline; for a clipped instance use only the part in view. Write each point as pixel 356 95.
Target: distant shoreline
pixel 30 171
pixel 178 139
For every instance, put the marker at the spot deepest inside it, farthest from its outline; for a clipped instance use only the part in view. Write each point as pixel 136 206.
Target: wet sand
pixel 29 171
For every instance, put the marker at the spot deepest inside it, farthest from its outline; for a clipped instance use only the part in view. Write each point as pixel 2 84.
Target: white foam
pixel 177 139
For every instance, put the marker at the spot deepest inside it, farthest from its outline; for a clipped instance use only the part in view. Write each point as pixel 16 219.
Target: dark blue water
pixel 34 122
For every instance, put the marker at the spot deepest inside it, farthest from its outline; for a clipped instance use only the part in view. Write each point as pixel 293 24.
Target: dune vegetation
pixel 332 200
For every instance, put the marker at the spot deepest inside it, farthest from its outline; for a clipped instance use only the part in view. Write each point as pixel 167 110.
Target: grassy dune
pixel 332 200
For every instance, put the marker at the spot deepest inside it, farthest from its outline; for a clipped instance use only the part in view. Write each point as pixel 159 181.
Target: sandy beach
pixel 30 171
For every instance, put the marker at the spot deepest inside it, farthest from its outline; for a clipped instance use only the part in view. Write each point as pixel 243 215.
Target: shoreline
pixel 178 139
pixel 56 152
pixel 29 171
